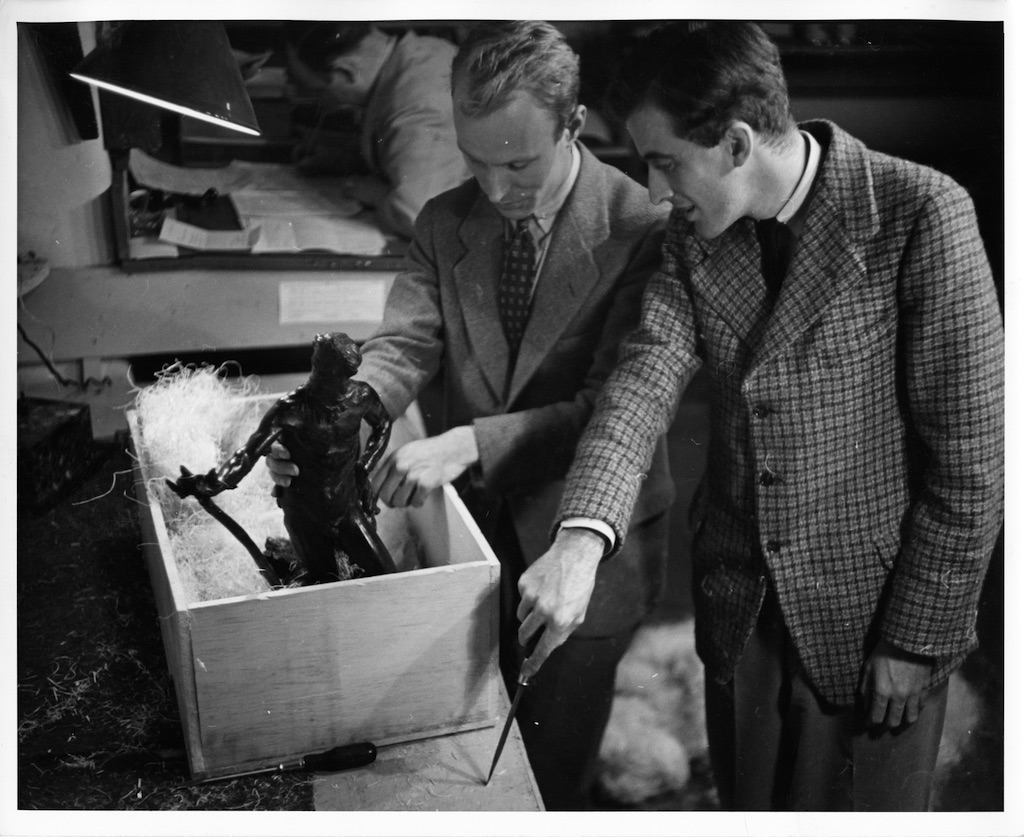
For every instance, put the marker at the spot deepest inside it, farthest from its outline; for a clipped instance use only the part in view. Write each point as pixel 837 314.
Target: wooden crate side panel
pixel 465 540
pixel 430 527
pixel 448 532
pixel 167 595
pixel 379 660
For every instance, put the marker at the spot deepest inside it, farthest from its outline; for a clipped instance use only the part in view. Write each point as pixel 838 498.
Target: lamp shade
pixel 182 65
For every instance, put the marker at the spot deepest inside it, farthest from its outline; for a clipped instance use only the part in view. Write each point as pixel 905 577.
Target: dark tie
pixel 516 286
pixel 776 241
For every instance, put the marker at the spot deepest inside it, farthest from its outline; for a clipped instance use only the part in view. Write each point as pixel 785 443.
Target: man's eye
pixel 516 166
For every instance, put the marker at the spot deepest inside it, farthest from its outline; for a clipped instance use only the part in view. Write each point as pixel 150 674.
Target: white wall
pixel 62 180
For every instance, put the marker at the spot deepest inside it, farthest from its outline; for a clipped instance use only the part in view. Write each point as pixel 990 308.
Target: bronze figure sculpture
pixel 329 509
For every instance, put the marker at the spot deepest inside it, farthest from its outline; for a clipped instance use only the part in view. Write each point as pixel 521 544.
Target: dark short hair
pixel 498 59
pixel 319 44
pixel 705 76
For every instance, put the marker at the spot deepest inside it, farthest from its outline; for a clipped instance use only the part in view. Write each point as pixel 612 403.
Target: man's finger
pixel 879 707
pixel 279 451
pixel 912 709
pixel 403 492
pixel 419 496
pixel 381 473
pixel 390 485
pixel 529 626
pixel 547 643
pixel 282 480
pixel 894 715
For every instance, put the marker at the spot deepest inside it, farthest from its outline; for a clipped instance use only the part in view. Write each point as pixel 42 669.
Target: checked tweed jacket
pixel 442 316
pixel 856 452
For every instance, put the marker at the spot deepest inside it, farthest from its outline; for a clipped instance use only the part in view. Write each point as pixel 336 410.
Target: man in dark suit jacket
pixel 514 407
pixel 853 492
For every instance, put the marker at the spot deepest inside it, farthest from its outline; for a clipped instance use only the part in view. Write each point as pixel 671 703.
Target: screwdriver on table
pixel 340 758
pixel 521 682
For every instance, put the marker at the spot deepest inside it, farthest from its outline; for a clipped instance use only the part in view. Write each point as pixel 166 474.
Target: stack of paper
pixel 281 210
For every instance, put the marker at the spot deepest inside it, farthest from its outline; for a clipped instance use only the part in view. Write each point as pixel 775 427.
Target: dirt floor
pixel 98 725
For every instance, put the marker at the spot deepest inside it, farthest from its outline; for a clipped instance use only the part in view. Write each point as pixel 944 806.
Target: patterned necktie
pixel 516 288
pixel 776 241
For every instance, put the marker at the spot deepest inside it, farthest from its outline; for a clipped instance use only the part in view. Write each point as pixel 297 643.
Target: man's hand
pixel 280 465
pixel 406 476
pixel 892 685
pixel 555 591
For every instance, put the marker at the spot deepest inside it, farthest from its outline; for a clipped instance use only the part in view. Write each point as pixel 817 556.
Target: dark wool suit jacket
pixel 856 455
pixel 442 314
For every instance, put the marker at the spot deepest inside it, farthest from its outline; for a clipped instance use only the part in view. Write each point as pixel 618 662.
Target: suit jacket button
pixel 760 411
pixel 767 478
pixel 772 547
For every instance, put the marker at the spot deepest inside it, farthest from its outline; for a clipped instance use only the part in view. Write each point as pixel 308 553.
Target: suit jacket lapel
pixel 726 274
pixel 476 274
pixel 829 257
pixel 825 264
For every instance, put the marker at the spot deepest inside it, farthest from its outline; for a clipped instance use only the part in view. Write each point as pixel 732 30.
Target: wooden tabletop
pixel 445 773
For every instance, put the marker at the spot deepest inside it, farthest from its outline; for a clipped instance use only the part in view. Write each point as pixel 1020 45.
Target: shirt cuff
pixel 599 526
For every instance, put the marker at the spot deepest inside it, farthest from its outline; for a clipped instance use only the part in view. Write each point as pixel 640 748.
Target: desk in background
pixel 91 321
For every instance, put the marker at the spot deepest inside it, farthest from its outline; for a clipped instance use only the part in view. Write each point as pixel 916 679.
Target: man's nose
pixel 495 184
pixel 657 186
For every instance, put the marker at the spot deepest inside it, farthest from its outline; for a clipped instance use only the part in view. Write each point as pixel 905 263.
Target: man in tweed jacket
pixel 853 491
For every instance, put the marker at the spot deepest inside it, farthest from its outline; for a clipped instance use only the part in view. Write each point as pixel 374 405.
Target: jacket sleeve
pixel 418 152
pixel 523 449
pixel 636 405
pixel 952 363
pixel 405 351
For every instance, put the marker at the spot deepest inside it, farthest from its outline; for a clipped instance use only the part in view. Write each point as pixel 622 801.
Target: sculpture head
pixel 335 356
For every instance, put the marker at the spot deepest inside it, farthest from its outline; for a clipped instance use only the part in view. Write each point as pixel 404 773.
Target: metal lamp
pixel 182 66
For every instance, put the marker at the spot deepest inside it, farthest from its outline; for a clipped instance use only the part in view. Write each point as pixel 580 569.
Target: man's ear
pixel 345 67
pixel 740 139
pixel 576 123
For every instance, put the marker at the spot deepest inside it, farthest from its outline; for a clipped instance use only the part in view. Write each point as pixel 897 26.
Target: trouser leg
pixel 744 722
pixel 893 771
pixel 563 715
pixel 775 745
pixel 838 764
pixel 566 705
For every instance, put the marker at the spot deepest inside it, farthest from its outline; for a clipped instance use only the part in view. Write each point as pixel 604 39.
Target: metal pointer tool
pixel 521 683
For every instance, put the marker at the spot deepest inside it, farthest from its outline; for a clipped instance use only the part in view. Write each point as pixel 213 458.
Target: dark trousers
pixel 775 746
pixel 565 706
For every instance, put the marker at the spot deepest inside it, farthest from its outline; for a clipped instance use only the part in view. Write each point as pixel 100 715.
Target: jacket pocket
pixel 887 548
pixel 849 335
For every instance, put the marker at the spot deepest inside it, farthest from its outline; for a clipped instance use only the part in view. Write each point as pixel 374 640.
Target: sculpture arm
pixel 233 470
pixel 380 429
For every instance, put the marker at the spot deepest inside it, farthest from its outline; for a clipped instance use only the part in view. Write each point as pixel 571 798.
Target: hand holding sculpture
pixel 329 506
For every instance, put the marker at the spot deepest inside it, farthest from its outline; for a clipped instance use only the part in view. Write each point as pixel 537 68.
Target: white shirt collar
pixel 796 200
pixel 545 215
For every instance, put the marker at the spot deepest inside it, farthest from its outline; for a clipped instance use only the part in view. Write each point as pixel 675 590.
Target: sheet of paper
pixel 331 301
pixel 288 202
pixel 196 238
pixel 150 248
pixel 156 174
pixel 265 176
pixel 322 232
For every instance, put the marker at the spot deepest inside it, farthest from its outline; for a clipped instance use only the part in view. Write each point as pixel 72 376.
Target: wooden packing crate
pixel 275 676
